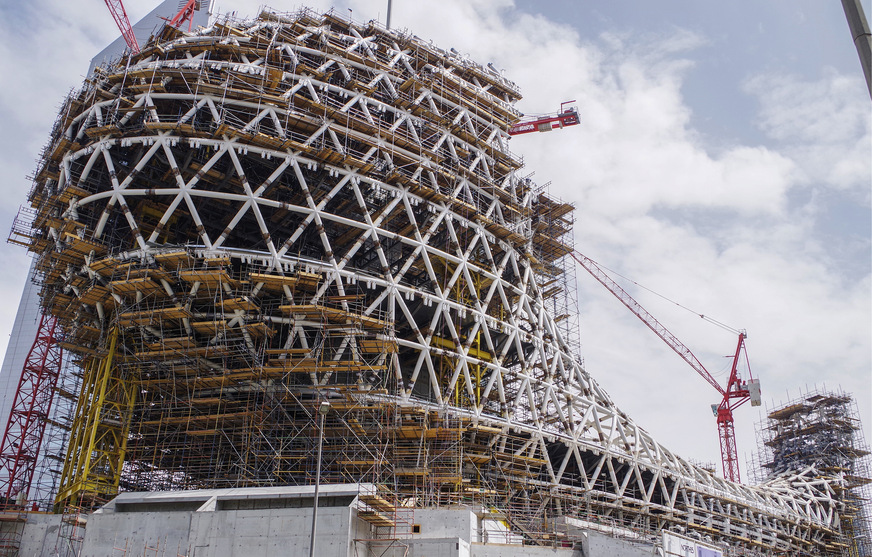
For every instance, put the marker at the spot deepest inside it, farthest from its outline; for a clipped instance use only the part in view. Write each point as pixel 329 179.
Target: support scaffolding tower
pixel 821 431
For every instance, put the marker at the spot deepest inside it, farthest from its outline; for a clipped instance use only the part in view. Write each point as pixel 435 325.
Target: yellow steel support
pixel 477 367
pixel 460 293
pixel 475 352
pixel 853 549
pixel 98 438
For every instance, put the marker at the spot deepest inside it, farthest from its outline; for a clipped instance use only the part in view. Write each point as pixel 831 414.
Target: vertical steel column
pixel 322 413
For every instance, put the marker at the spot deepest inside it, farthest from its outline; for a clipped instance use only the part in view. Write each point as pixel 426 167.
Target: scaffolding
pixel 821 431
pixel 237 225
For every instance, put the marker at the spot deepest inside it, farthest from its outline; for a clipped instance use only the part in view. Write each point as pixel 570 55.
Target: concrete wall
pixel 135 531
pixel 234 533
pixel 273 522
pixel 600 545
pixel 40 535
pixel 436 547
pixel 447 523
pixel 498 550
pixel 456 532
pixel 450 547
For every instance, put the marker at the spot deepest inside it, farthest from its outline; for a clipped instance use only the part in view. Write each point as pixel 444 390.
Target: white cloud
pixel 820 124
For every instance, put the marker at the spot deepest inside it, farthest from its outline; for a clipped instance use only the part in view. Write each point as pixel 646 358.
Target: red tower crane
pixel 31 406
pixel 737 391
pixel 116 7
pixel 566 116
pixel 120 16
pixel 185 14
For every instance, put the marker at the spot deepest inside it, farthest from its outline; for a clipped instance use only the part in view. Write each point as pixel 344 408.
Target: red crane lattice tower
pixel 31 406
pixel 119 14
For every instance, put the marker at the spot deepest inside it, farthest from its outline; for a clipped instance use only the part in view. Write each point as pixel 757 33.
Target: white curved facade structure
pixel 241 223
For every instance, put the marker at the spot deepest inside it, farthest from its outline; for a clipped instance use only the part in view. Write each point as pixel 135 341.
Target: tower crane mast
pixel 29 415
pixel 737 391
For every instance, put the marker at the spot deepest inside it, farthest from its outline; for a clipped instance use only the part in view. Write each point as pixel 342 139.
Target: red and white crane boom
pixel 185 14
pixel 116 8
pixel 120 16
pixel 736 393
pixel 600 275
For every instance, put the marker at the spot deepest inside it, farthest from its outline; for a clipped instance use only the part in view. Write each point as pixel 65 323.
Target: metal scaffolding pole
pixel 322 413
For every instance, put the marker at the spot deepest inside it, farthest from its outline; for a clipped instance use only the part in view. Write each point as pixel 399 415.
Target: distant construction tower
pixel 236 226
pixel 820 431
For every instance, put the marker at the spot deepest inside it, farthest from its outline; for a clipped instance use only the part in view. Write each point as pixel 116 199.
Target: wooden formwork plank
pixel 259 330
pixel 210 277
pixel 273 282
pixel 175 259
pixel 143 285
pixel 239 304
pixel 378 502
pixel 375 518
pixel 209 327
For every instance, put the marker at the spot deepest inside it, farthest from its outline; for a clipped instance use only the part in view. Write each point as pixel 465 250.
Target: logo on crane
pixel 566 116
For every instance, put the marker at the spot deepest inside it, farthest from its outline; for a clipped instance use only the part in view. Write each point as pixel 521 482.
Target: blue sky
pixel 741 38
pixel 723 160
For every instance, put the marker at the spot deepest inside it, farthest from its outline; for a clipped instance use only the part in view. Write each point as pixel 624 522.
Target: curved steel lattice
pixel 296 208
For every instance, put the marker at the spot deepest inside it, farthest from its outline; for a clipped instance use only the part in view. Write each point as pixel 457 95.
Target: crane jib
pixel 547 123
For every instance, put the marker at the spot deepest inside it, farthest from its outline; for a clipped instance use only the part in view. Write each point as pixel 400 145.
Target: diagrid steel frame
pixel 297 208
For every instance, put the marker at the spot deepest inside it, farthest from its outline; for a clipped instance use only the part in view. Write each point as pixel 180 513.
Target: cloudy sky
pixel 723 161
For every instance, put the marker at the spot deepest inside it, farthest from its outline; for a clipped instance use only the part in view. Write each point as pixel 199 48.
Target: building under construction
pixel 238 225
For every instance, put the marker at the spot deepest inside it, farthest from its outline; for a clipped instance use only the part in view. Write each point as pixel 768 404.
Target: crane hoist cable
pixel 704 317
